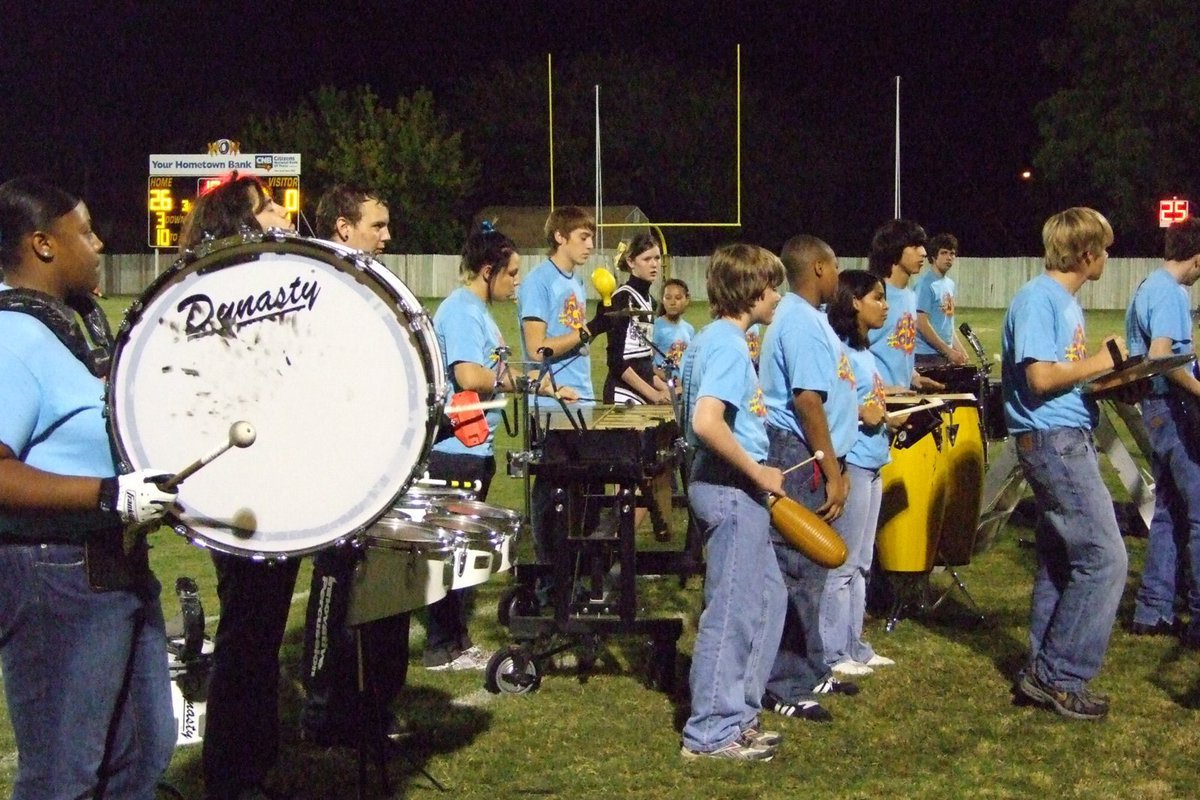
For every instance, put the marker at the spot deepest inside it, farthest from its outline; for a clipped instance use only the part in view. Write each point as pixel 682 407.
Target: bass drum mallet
pixel 241 434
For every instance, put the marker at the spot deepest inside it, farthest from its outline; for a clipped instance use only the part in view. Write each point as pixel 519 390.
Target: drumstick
pixel 483 405
pixel 892 416
pixel 241 434
pixel 816 456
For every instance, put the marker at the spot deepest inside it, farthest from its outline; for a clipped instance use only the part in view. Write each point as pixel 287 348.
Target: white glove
pixel 137 497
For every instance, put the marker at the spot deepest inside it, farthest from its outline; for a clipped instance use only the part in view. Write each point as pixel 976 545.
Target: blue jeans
pixel 744 602
pixel 1082 562
pixel 1175 528
pixel 800 664
pixel 82 667
pixel 844 602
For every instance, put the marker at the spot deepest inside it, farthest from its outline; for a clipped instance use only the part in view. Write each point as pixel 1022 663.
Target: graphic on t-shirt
pixel 755 345
pixel 876 398
pixel 1077 351
pixel 757 407
pixel 572 315
pixel 676 350
pixel 845 372
pixel 904 337
pixel 947 304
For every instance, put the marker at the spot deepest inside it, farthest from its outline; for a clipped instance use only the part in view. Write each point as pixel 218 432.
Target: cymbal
pixel 630 313
pixel 1136 370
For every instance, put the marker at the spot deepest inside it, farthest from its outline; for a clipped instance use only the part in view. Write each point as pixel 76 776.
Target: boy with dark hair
pixel 744 596
pixel 1081 560
pixel 809 392
pixel 937 340
pixel 1159 324
pixel 897 254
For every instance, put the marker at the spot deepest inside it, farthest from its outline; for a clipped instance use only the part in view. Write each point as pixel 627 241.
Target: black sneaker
pixel 809 710
pixel 1160 628
pixel 1074 705
pixel 834 686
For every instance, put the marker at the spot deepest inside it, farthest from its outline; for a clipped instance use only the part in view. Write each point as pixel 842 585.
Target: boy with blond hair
pixel 744 596
pixel 1081 560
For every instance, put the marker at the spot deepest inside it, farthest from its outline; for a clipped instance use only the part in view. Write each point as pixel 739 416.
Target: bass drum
pixel 325 352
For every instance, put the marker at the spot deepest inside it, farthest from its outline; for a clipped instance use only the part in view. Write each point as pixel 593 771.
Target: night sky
pixel 89 91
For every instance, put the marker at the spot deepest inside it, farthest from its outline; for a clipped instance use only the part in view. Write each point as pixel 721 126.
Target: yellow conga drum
pixel 959 475
pixel 910 513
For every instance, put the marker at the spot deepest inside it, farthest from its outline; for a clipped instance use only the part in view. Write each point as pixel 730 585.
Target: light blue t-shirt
pixel 935 298
pixel 672 338
pixel 754 338
pixel 1043 323
pixel 893 344
pixel 1159 310
pixel 558 299
pixel 52 419
pixel 467 333
pixel 717 364
pixel 871 448
pixel 802 353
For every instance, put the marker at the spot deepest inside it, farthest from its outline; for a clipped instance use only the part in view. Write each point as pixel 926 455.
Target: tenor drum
pixel 504 520
pixel 420 500
pixel 959 475
pixel 910 513
pixel 319 347
pixel 406 567
pixel 484 549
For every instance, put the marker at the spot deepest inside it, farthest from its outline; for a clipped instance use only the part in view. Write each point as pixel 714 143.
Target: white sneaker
pixel 851 667
pixel 880 661
pixel 470 659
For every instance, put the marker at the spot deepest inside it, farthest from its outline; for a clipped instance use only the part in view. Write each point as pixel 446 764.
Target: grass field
pixel 940 724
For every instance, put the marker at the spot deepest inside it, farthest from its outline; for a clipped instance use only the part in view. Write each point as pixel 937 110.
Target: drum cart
pixel 594 459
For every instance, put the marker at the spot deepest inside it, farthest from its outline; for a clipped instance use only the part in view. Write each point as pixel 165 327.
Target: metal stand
pixel 595 560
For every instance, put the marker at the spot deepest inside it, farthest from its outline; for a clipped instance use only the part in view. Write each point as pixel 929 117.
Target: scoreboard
pixel 175 181
pixel 169 198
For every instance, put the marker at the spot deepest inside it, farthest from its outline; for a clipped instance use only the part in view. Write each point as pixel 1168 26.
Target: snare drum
pixel 319 347
pixel 405 568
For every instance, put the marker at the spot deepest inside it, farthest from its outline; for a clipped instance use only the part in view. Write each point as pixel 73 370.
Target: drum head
pixel 396 533
pixel 328 362
pixel 474 532
pixel 503 518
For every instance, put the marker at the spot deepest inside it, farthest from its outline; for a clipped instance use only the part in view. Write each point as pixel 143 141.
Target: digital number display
pixel 1172 211
pixel 169 198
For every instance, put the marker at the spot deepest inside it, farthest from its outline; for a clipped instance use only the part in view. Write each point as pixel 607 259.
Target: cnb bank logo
pixel 264 162
pixel 224 147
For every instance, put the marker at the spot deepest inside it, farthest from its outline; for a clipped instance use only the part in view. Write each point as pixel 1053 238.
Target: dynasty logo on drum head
pixel 205 316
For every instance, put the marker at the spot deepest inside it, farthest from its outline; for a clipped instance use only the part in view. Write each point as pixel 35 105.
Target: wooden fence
pixel 982 282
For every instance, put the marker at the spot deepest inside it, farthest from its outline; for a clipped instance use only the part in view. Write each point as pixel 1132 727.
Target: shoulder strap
pixel 61 319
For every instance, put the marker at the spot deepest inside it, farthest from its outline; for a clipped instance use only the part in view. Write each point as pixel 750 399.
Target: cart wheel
pixel 516 602
pixel 511 671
